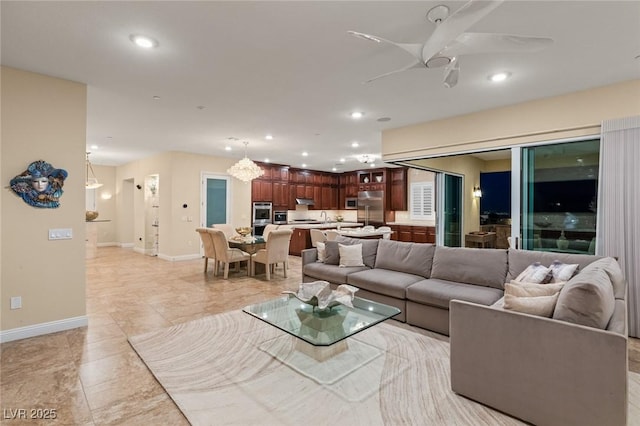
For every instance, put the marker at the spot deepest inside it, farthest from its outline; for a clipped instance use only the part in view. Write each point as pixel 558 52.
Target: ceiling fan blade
pixel 473 43
pixel 451 73
pixel 449 29
pixel 408 67
pixel 414 49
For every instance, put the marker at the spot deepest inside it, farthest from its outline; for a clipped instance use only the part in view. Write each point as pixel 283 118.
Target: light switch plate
pixel 16 302
pixel 60 234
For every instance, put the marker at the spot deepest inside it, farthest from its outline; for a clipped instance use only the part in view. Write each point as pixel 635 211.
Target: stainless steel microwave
pixel 350 203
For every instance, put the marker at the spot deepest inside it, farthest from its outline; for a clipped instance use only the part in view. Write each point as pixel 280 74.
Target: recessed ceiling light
pixel 373 164
pixel 355 144
pixel 357 114
pixel 500 76
pixel 156 98
pixel 342 160
pixel 268 137
pixel 334 169
pixel 305 153
pixel 94 146
pixel 266 160
pixel 227 148
pixel 143 41
pixel 304 166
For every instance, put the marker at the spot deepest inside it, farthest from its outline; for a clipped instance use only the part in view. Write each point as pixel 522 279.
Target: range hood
pixel 304 202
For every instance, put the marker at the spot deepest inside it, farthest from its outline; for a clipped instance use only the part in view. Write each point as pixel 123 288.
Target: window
pixel 422 201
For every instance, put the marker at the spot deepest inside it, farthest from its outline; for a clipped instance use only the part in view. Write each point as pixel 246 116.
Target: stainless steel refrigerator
pixel 371 207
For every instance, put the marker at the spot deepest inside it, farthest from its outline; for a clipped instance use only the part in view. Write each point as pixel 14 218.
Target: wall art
pixel 40 185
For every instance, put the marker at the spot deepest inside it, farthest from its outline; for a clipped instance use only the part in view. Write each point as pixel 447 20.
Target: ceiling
pixel 243 70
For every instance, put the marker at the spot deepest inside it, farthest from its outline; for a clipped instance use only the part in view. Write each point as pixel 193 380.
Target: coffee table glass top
pixel 321 327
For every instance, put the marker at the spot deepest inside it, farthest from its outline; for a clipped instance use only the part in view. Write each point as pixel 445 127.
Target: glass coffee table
pixel 321 327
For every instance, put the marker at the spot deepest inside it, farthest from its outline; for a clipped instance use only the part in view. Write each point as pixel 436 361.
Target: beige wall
pixel 43 118
pixel 179 183
pixel 574 114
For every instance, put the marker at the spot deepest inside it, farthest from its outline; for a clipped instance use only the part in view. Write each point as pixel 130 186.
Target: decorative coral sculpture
pixel 319 294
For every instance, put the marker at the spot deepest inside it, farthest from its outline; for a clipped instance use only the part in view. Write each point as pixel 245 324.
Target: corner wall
pixel 43 118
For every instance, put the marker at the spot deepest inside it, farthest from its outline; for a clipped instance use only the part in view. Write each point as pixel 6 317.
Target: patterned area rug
pixel 234 369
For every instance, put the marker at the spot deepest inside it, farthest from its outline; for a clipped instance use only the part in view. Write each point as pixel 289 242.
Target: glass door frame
pixel 441 192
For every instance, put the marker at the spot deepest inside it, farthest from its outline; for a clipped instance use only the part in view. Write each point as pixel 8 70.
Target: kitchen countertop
pixel 410 223
pixel 319 225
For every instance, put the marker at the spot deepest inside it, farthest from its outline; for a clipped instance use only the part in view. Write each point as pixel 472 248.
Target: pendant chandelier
pixel 245 169
pixel 91 182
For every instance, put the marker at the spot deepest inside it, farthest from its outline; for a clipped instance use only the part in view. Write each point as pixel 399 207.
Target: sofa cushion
pixel 332 273
pixel 587 298
pixel 383 281
pixel 612 268
pixel 520 259
pixel 520 289
pixel 331 253
pixel 410 258
pixel 321 250
pixel 485 267
pixel 535 273
pixel 562 272
pixel 437 292
pixel 350 255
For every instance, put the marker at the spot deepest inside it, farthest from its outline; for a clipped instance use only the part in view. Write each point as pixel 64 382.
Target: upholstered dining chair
pixel 385 229
pixel 227 228
pixel 209 250
pixel 267 230
pixel 276 250
pixel 225 254
pixel 331 234
pixel 317 236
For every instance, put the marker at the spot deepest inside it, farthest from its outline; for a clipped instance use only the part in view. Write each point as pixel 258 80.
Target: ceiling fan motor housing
pixel 437 62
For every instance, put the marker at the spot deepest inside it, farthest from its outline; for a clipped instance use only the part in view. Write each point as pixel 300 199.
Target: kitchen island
pixel 301 237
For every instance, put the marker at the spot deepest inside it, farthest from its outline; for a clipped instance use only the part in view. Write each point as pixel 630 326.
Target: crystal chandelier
pixel 245 169
pixel 91 182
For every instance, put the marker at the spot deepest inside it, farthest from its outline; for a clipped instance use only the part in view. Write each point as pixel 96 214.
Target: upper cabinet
pixel 281 186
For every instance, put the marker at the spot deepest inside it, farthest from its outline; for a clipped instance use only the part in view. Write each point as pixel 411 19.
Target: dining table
pixel 249 245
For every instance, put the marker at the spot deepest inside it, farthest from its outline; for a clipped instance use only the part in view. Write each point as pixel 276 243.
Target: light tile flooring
pixel 91 376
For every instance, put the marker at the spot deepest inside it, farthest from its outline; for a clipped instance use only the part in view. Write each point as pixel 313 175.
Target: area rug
pixel 233 369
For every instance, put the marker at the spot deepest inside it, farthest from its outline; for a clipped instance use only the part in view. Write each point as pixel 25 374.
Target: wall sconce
pixel 477 192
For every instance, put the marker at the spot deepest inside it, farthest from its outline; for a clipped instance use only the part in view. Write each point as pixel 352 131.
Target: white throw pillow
pixel 535 273
pixel 350 255
pixel 519 289
pixel 562 271
pixel 322 252
pixel 542 306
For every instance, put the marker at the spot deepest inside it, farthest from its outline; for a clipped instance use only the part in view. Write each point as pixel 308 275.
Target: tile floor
pixel 91 376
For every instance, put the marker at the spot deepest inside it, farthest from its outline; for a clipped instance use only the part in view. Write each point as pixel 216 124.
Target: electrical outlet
pixel 16 302
pixel 60 234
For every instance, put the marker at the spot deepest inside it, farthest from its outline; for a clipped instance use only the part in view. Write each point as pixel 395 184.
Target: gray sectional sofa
pixel 541 370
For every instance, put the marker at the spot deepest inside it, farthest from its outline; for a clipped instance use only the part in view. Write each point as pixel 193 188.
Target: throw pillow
pixel 519 289
pixel 332 254
pixel 542 306
pixel 535 273
pixel 562 271
pixel 350 255
pixel 322 252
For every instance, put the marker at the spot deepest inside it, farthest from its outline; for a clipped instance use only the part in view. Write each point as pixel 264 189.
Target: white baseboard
pixel 126 245
pixel 179 258
pixel 139 250
pixel 43 328
pixel 112 244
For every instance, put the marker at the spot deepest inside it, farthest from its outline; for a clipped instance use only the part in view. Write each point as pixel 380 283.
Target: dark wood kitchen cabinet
pixel 261 190
pixel 397 189
pixel 300 240
pixel 280 195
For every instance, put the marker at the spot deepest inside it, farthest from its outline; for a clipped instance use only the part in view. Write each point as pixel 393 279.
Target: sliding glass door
pixel 559 184
pixel 449 210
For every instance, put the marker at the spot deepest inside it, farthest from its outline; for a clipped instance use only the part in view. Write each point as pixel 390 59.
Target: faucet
pixel 325 215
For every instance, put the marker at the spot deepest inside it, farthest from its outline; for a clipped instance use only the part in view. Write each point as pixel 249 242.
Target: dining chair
pixel 268 229
pixel 317 236
pixel 225 254
pixel 209 250
pixel 227 228
pixel 276 250
pixel 331 234
pixel 385 229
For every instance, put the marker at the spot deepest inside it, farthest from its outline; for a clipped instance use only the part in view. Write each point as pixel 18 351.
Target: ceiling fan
pixel 449 40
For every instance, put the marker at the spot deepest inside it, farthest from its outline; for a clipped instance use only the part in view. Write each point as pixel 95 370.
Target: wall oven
pixel 261 217
pixel 350 203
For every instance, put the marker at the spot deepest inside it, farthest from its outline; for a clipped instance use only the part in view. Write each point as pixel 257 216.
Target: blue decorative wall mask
pixel 40 185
